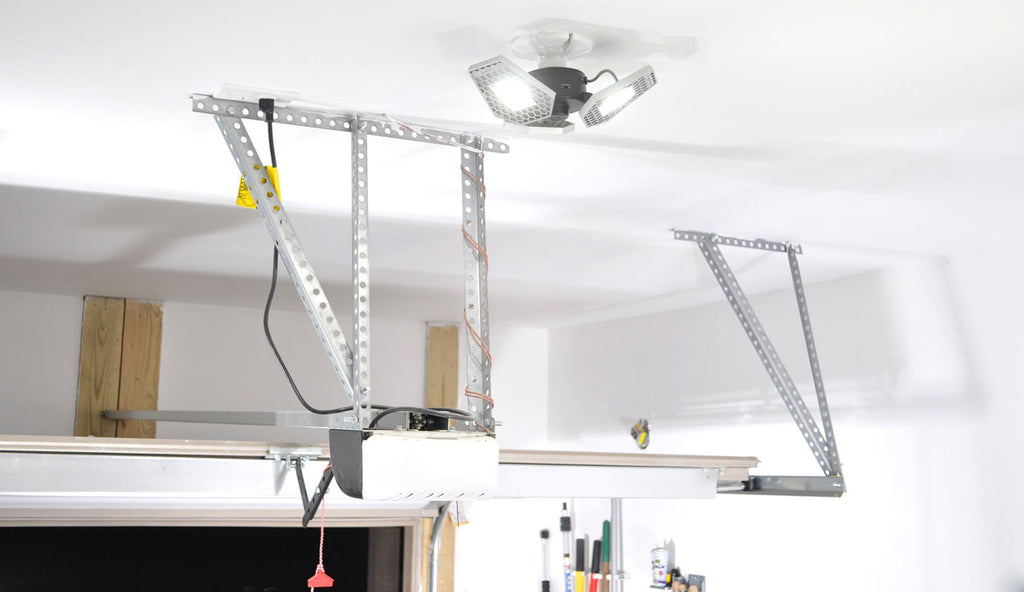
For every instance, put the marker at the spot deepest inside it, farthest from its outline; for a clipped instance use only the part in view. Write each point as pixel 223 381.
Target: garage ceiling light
pixel 543 99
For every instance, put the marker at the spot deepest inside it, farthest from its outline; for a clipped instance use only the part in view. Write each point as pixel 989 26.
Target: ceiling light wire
pixel 601 73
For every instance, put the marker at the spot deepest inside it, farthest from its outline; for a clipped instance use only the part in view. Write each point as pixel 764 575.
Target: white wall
pixel 520 385
pixel 40 337
pixel 991 288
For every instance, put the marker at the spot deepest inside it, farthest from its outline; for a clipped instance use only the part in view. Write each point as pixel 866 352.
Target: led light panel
pixel 607 102
pixel 511 93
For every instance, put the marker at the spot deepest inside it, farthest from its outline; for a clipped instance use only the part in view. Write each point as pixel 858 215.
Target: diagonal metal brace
pixel 311 505
pixel 300 270
pixel 822 445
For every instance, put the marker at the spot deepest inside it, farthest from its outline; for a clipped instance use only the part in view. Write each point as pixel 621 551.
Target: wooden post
pixel 140 365
pixel 119 365
pixel 442 391
pixel 442 366
pixel 99 367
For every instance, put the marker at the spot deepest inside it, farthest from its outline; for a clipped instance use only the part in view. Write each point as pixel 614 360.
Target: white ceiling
pixel 867 131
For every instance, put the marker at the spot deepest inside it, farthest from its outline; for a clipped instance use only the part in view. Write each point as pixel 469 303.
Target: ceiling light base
pixel 570 86
pixel 551 48
pixel 543 127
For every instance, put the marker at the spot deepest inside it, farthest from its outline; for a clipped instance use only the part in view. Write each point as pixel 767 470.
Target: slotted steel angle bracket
pixel 821 440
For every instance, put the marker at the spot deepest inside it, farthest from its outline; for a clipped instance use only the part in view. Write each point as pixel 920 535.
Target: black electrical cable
pixel 456 414
pixel 267 106
pixel 277 354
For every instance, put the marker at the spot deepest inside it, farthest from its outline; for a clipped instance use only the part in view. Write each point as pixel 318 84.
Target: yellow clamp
pixel 244 197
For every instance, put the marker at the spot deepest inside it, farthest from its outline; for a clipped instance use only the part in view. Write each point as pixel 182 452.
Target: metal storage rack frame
pixel 352 364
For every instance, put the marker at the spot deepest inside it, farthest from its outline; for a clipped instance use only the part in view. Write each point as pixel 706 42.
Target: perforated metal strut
pixel 822 445
pixel 812 356
pixel 324 119
pixel 360 263
pixel 478 370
